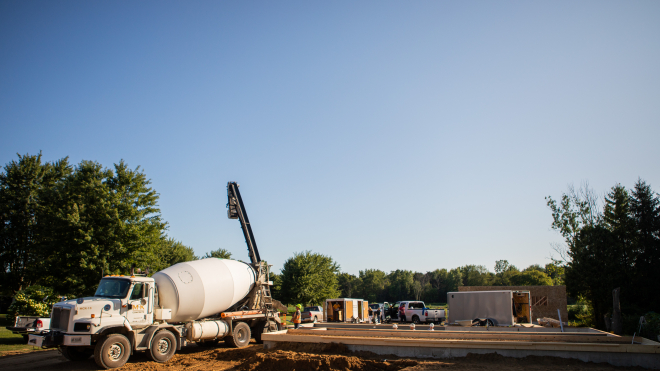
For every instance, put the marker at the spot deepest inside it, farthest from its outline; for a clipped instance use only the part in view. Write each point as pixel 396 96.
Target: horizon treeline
pixel 375 285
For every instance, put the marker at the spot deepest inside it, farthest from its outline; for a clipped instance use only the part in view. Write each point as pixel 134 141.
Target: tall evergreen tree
pixel 24 213
pixel 645 210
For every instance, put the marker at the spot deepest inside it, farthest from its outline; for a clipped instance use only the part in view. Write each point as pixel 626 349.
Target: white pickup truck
pixel 417 312
pixel 26 325
pixel 312 314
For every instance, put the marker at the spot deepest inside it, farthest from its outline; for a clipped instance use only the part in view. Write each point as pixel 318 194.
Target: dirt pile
pixel 312 357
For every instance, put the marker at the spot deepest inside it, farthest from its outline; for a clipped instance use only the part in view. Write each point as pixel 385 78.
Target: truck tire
pixel 163 346
pixel 76 353
pixel 240 336
pixel 112 351
pixel 415 319
pixel 316 319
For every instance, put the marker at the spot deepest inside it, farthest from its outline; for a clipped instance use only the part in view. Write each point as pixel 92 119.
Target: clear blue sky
pixel 391 135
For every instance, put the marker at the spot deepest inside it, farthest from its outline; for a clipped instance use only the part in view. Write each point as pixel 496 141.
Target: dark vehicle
pixel 391 312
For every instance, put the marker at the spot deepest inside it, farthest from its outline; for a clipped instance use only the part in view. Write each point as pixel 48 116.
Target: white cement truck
pixel 202 301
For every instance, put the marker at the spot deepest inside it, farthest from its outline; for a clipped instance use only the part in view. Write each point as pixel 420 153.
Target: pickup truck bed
pixel 25 325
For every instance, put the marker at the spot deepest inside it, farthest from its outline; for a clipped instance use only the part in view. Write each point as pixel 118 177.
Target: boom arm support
pixel 236 210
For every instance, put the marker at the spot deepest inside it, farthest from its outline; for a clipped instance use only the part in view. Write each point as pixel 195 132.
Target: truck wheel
pixel 315 319
pixel 415 320
pixel 163 347
pixel 112 351
pixel 76 353
pixel 240 337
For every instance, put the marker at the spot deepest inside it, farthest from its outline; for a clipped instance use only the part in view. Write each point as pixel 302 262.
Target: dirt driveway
pixel 295 357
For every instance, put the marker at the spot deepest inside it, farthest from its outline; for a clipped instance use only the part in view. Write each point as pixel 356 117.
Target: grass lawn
pixel 12 342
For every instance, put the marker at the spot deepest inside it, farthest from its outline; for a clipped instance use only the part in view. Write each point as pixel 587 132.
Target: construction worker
pixel 337 308
pixel 297 317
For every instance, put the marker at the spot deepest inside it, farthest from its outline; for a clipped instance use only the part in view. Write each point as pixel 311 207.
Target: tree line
pixel 611 242
pixel 310 278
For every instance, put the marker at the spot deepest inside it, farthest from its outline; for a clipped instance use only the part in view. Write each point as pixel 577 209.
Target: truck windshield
pixel 113 288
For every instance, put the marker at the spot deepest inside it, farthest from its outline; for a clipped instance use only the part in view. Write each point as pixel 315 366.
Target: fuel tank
pixel 201 288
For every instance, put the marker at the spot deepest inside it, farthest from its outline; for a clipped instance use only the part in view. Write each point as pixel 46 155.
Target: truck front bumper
pixel 46 340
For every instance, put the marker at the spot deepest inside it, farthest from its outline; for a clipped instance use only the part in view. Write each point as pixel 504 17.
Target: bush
pixel 33 301
pixel 580 314
pixel 652 328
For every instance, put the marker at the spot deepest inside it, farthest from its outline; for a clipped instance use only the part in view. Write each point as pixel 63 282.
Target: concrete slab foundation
pixel 649 361
pixel 415 344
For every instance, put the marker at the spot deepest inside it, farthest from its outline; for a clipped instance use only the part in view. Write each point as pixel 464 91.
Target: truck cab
pixel 119 301
pixel 117 317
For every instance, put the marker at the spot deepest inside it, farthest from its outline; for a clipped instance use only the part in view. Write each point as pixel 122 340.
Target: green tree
pixel 349 285
pixel 555 271
pixel 277 284
pixel 373 283
pixel 607 254
pixel 531 277
pixel 309 278
pixel 591 271
pixel 106 222
pixel 502 266
pixel 219 253
pixel 173 252
pixel 476 275
pixel 33 301
pixel 576 209
pixel 23 215
pixel 534 267
pixel 645 211
pixel 401 285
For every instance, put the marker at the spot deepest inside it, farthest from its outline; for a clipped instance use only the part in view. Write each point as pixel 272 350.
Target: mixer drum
pixel 201 288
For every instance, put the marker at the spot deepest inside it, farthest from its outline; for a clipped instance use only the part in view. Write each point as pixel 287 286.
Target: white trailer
pixel 499 308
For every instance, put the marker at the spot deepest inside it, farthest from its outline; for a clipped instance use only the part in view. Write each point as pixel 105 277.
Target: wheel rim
pixel 163 346
pixel 115 351
pixel 242 335
pixel 315 319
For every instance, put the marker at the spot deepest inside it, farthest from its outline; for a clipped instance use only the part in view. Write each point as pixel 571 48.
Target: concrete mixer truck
pixel 202 301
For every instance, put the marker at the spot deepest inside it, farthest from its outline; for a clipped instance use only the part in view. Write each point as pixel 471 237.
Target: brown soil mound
pixel 288 360
pixel 323 357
